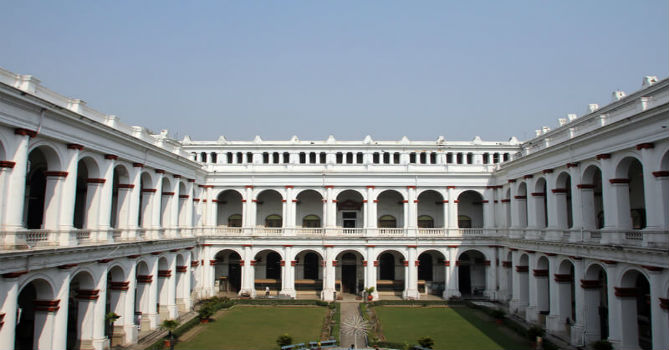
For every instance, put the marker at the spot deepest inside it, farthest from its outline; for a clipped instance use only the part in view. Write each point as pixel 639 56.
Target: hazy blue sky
pixel 347 68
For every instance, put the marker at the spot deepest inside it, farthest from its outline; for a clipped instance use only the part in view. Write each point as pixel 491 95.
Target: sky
pixel 388 69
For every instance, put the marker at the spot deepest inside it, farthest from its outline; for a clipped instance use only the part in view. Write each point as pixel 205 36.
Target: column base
pixel 288 293
pixel 411 294
pixel 172 312
pixel 251 293
pixel 451 293
pixel 328 294
pixel 100 344
pixel 531 314
pixel 130 334
pixel 554 324
pixel 516 306
pixel 151 319
pixel 577 335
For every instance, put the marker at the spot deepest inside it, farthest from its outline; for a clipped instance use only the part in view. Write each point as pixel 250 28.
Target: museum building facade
pixel 568 230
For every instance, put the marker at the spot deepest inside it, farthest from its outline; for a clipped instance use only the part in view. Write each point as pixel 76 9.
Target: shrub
pixel 534 332
pixel 602 345
pixel 426 342
pixel 498 314
pixel 284 340
pixel 206 311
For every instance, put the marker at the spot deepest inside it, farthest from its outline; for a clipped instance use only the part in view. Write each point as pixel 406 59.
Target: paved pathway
pixel 349 309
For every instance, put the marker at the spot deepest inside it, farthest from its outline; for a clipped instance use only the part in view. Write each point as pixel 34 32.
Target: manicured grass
pixel 450 328
pixel 257 327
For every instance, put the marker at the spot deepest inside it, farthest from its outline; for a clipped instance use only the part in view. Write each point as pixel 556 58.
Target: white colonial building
pixel 570 229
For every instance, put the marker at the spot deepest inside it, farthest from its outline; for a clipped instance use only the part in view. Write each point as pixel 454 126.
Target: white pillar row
pixel 16 186
pixel 659 318
pixel 513 204
pixel 370 270
pixel 246 207
pixel 447 263
pixel 211 206
pixel 610 197
pixel 662 179
pixel 52 196
pixel 591 302
pixel 328 293
pixel 411 276
pixel 578 325
pixel 70 164
pixel 9 291
pixel 587 205
pixel 187 282
pixel 106 188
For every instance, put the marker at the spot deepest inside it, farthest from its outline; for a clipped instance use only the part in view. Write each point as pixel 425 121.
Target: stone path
pixel 349 309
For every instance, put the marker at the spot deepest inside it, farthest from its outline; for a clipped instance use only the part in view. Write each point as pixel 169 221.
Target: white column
pixel 133 204
pixel 59 319
pixel 248 273
pixel 488 209
pixel 152 311
pixel 99 307
pixel 331 207
pixel 189 204
pixel 16 185
pixel 452 288
pixel 576 201
pixel 370 271
pixel 92 218
pixel 516 304
pixel 107 172
pixel 653 205
pixel 452 214
pixel 615 321
pixel 9 292
pixel 328 275
pixel 288 274
pixel 578 327
pixel 69 192
pixel 532 311
pixel 411 277
pixel 413 208
pixel 175 203
pixel 554 322
pixel 171 285
pixel 156 204
pixel 659 318
pixel 291 212
pixel 128 315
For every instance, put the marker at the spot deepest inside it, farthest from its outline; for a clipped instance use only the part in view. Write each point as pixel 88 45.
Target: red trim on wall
pixel 111 157
pixel 56 173
pixel 95 181
pixel 7 164
pixel 603 156
pixel 25 132
pixel 75 146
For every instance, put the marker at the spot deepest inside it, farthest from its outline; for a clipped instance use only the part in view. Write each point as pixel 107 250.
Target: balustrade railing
pixel 29 239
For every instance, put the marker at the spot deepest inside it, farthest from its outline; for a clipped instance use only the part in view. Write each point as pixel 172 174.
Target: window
pixel 423 158
pixel 449 158
pixel 412 157
pixel 312 158
pixel 275 157
pixel 273 221
pixel 358 158
pixel 387 221
pixel 386 158
pixel 340 157
pixel 235 220
pixel 425 221
pixel 349 158
pixel 303 158
pixel 265 157
pixel 230 157
pixel 311 221
pixel 470 158
pixel 396 158
pixel 214 157
pixel 486 158
pixel 375 158
pixel 322 157
pixel 464 221
pixel 286 157
pixel 433 158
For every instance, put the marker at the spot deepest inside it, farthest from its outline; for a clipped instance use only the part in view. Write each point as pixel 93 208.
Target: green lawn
pixel 450 328
pixel 257 327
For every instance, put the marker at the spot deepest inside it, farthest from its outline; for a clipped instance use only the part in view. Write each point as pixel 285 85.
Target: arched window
pixel 311 221
pixel 387 221
pixel 235 220
pixel 425 221
pixel 273 221
pixel 464 221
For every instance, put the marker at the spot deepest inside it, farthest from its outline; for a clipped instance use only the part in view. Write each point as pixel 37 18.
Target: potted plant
pixel 534 334
pixel 205 312
pixel 170 326
pixel 111 318
pixel 426 342
pixel 284 340
pixel 369 292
